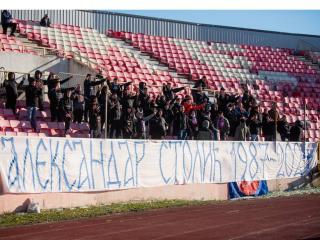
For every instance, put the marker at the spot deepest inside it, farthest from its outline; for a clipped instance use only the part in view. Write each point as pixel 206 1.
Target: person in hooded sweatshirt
pixel 242 131
pixel 11 87
pixel 204 132
pixel 223 125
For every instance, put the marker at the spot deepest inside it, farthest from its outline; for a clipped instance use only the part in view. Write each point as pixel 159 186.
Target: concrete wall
pixel 27 63
pixel 18 202
pixel 23 62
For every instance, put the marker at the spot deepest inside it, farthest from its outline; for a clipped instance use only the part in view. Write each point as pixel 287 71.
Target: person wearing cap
pixel 45 21
pixel 7 21
pixel 11 87
pixel 204 132
pixel 88 92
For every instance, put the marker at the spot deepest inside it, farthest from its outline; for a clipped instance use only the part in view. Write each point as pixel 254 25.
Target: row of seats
pixel 11 44
pixel 264 67
pixel 223 64
pixel 103 52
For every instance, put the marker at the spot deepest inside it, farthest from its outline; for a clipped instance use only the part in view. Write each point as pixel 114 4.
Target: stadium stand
pixel 274 74
pixel 269 74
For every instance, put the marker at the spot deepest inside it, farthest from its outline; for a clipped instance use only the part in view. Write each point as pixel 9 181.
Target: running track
pixel 291 218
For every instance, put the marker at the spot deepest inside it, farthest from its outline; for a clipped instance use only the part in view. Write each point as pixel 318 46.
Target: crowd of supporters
pixel 132 113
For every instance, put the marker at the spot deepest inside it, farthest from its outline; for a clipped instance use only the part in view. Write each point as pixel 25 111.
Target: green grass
pixel 14 219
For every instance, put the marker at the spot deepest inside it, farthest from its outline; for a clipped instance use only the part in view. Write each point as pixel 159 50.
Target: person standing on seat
pixel 65 109
pixel 32 93
pixel 45 21
pixel 39 83
pixel 7 21
pixel 11 87
pixel 88 92
pixel 78 105
pixel 55 96
pixel 94 118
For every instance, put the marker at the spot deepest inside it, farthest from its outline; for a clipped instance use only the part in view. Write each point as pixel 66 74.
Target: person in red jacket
pixel 189 106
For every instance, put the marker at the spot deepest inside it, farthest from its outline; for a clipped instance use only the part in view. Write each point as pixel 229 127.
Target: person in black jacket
pixel 168 116
pixel 296 132
pixel 181 124
pixel 65 109
pixel 201 83
pixel 223 100
pixel 52 79
pixel 115 119
pixel 11 87
pixel 89 91
pixel 94 118
pixel 254 127
pixel 55 96
pixel 158 126
pixel 7 21
pixel 102 97
pixel 199 96
pixel 39 84
pixel 283 128
pixel 169 92
pixel 78 104
pixel 128 120
pixel 116 87
pixel 45 21
pixel 32 94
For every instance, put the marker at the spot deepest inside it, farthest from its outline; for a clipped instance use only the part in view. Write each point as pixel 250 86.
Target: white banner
pixel 38 165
